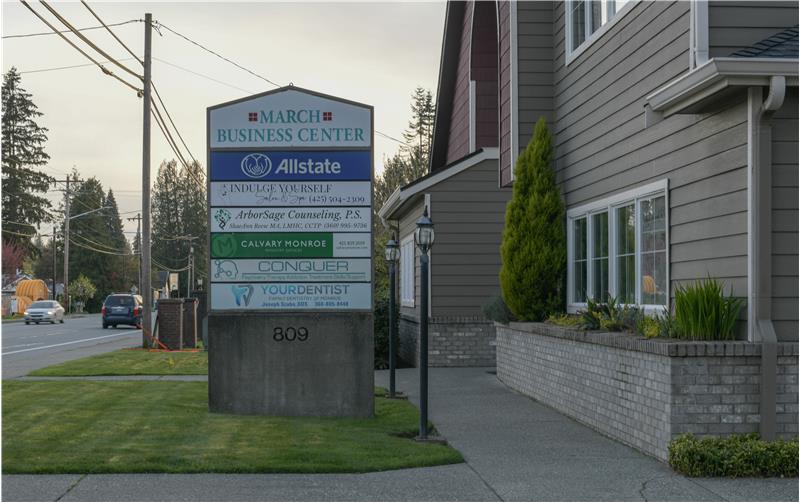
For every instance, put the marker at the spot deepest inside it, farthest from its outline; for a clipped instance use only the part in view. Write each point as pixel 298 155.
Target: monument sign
pixel 290 230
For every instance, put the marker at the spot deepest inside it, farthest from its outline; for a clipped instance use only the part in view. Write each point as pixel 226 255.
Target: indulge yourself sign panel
pixel 290 177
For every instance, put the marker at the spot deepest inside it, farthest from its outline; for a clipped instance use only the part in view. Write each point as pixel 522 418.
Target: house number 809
pixel 290 334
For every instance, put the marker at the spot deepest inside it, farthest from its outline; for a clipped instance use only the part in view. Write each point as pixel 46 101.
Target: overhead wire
pixel 112 32
pixel 87 41
pixel 87 56
pixel 25 35
pixel 68 67
pixel 220 56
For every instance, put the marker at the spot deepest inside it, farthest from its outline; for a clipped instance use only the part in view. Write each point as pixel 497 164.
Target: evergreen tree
pixel 114 223
pixel 22 152
pixel 534 249
pixel 180 213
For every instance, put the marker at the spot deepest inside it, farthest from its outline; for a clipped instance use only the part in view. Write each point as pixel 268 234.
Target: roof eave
pixel 689 93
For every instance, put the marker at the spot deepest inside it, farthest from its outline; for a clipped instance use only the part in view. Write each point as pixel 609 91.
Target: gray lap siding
pixel 602 146
pixel 736 25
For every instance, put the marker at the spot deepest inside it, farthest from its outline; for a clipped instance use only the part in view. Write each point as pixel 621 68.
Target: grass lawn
pixel 157 426
pixel 131 362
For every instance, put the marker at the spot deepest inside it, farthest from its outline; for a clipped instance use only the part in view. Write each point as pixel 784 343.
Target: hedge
pixel 733 456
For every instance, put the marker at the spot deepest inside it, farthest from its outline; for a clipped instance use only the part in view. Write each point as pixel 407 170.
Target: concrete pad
pixel 37 487
pixel 443 483
pixel 752 489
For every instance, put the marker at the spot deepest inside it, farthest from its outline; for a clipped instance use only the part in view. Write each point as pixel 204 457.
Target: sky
pixel 374 53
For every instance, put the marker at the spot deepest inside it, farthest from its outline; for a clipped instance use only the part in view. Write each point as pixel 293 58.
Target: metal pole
pixel 147 293
pixel 66 248
pixel 54 262
pixel 392 349
pixel 423 348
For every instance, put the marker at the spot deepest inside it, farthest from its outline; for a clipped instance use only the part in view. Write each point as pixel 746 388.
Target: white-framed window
pixel 619 247
pixel 584 20
pixel 407 270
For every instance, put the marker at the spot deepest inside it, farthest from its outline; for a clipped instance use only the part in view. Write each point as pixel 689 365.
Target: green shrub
pixel 381 329
pixel 611 316
pixel 733 456
pixel 496 309
pixel 649 327
pixel 566 320
pixel 703 312
pixel 534 249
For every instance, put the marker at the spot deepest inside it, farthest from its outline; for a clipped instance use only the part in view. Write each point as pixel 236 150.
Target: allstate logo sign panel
pixel 283 165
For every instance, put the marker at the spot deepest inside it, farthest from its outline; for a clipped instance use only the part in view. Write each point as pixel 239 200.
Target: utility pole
pixel 138 219
pixel 66 240
pixel 147 291
pixel 54 261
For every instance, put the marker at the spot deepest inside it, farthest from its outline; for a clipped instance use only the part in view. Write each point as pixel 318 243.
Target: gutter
pixel 688 93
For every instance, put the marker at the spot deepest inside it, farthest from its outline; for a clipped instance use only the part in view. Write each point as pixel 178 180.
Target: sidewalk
pixel 515 449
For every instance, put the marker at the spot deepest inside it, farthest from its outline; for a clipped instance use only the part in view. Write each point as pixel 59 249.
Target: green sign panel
pixel 272 245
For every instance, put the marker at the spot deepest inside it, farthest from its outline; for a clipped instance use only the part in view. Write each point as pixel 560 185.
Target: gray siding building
pixel 675 129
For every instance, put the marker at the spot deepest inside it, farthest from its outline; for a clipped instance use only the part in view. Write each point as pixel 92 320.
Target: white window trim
pixel 610 204
pixel 405 267
pixel 572 53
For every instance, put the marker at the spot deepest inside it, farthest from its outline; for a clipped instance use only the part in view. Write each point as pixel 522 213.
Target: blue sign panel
pixel 232 166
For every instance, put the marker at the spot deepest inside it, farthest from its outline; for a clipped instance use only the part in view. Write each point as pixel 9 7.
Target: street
pixel 29 347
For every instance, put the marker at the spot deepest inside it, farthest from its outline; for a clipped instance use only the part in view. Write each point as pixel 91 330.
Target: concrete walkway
pixel 515 449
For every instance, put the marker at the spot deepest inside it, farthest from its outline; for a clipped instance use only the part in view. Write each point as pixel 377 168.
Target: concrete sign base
pixel 303 364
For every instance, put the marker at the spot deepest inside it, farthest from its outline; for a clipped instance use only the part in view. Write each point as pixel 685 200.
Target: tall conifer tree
pixel 24 207
pixel 534 248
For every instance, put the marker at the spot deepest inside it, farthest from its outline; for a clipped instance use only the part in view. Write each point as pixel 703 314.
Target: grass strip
pixel 131 362
pixel 165 427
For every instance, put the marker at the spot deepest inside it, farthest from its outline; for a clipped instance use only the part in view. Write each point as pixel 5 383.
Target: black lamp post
pixel 423 237
pixel 392 254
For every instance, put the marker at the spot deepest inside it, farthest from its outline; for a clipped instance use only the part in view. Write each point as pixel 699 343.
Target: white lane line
pixel 71 342
pixel 22 345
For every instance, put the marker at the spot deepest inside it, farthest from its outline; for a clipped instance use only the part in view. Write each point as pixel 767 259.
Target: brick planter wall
pixel 452 342
pixel 646 392
pixel 170 325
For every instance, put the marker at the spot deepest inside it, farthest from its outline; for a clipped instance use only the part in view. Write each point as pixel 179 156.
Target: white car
pixel 44 310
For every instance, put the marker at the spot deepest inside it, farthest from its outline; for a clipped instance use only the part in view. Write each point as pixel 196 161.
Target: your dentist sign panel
pixel 290 323
pixel 291 161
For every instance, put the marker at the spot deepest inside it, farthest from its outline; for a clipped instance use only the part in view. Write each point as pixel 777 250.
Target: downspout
pixel 759 245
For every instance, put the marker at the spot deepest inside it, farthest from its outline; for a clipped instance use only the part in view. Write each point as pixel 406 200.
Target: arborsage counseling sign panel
pixel 290 203
pixel 254 219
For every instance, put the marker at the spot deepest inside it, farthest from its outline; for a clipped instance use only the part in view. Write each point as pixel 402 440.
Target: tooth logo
pixel 256 165
pixel 242 294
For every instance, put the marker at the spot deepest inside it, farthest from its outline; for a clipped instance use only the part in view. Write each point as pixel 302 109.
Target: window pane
pixel 600 256
pixel 579 255
pixel 596 7
pixel 626 254
pixel 654 252
pixel 578 9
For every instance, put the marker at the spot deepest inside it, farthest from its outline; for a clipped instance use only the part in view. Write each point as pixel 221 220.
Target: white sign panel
pixel 291 296
pixel 291 270
pixel 291 193
pixel 299 219
pixel 290 119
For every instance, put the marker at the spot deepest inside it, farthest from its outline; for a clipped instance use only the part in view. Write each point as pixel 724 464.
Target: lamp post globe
pixel 424 234
pixel 392 251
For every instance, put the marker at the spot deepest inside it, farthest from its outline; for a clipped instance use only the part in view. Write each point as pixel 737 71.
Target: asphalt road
pixel 28 347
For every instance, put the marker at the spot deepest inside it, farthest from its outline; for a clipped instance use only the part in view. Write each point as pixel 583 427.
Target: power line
pixel 162 25
pixel 203 76
pixel 112 33
pixel 68 67
pixel 173 123
pixel 87 41
pixel 24 35
pixel 99 65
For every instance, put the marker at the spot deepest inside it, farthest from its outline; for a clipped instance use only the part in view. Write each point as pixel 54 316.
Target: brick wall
pixel 170 324
pixel 645 392
pixel 452 342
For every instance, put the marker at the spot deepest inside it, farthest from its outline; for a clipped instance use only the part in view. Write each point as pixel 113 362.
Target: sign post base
pixel 291 364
